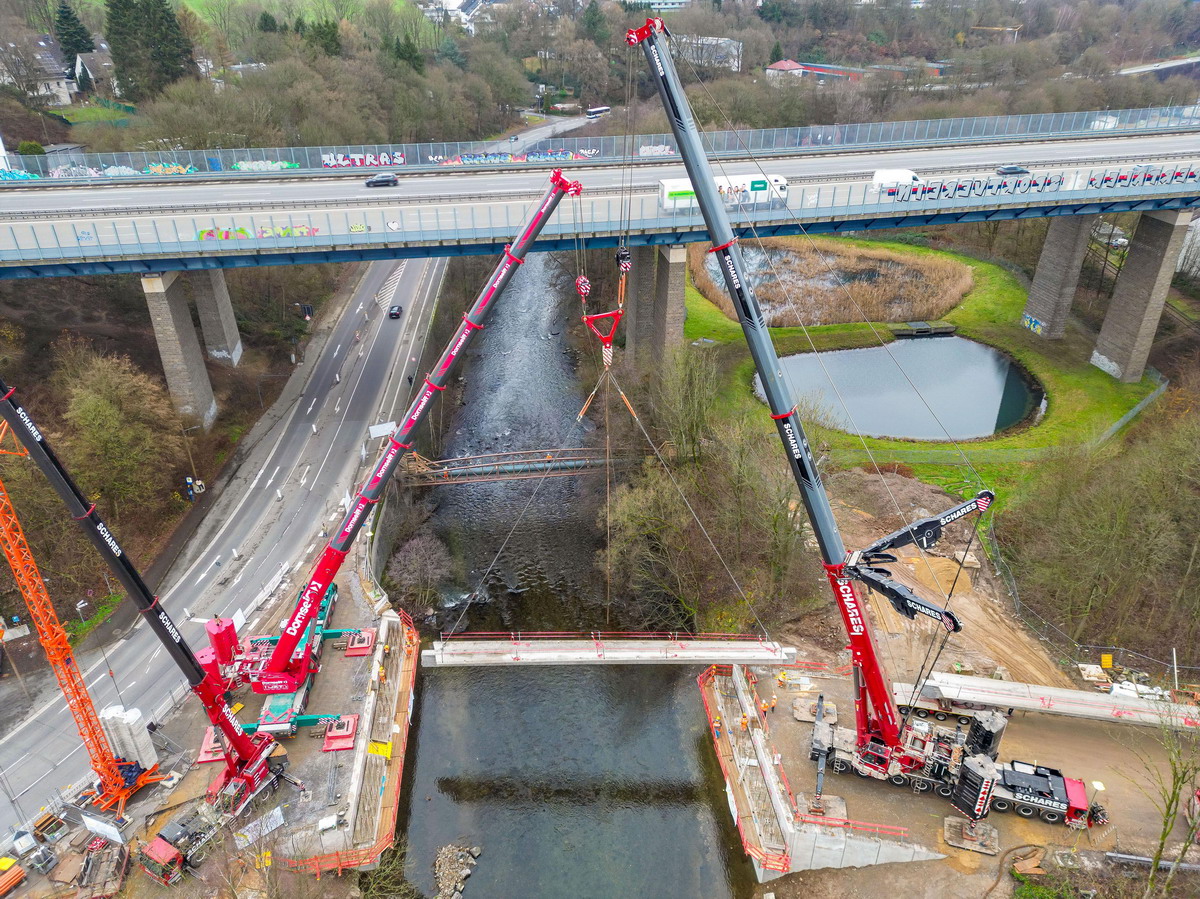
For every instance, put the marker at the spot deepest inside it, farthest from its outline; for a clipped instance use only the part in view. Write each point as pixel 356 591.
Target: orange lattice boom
pixel 113 788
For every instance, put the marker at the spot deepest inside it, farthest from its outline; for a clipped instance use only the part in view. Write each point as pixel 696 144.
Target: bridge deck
pixel 468 652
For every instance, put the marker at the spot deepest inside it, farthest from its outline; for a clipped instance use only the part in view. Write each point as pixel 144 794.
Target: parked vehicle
pixel 395 312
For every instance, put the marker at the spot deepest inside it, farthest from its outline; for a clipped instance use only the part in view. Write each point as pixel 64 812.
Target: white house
pixel 36 59
pixel 785 68
pixel 709 52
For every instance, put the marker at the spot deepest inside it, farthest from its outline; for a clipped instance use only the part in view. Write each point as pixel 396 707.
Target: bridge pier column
pixel 639 306
pixel 1132 318
pixel 179 348
pixel 1057 275
pixel 670 309
pixel 217 321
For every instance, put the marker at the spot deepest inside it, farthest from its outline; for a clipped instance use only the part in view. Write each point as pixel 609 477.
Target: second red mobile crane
pixel 882 746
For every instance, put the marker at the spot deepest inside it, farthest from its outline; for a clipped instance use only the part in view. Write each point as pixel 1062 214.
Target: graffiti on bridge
pixel 244 234
pixel 504 158
pixel 360 160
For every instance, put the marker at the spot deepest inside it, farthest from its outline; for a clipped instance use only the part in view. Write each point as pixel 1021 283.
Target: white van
pixel 893 182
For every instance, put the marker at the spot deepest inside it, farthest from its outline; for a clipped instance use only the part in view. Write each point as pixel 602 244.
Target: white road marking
pixel 272 478
pixel 310 406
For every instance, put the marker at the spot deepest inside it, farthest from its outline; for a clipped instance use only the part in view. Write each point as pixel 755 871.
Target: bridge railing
pixel 485 225
pixel 171 164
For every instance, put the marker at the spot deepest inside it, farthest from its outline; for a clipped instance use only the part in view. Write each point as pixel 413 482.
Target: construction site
pixel 913 724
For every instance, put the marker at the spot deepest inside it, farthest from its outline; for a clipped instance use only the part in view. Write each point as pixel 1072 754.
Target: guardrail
pixel 835 138
pixel 456 223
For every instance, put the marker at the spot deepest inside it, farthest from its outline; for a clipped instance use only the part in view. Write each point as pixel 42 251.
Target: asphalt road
pixel 455 186
pixel 262 533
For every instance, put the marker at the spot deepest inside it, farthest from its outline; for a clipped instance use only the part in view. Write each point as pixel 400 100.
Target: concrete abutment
pixel 179 348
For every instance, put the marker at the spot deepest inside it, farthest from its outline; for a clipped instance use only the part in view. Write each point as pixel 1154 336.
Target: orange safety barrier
pixel 887 830
pixel 337 862
pixel 678 636
pixel 817 666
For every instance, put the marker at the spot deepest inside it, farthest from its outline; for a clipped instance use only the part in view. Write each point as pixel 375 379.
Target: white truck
pixel 747 191
pixel 895 182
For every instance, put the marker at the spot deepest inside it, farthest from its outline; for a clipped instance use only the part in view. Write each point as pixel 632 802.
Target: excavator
pixel 883 745
pixel 256 762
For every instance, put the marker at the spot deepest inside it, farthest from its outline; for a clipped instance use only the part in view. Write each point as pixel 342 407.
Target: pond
pixel 930 388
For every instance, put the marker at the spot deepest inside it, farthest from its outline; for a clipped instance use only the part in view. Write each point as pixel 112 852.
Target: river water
pixel 577 781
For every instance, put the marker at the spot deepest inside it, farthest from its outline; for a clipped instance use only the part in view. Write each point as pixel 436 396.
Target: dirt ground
pixel 992 636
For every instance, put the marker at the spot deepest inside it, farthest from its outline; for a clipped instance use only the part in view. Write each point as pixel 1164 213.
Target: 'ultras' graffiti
pixel 243 234
pixel 357 160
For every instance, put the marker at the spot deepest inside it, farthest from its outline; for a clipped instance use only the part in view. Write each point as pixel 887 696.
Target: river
pixel 576 781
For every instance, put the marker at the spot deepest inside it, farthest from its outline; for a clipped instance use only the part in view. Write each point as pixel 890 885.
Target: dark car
pixel 383 179
pixel 395 312
pixel 1012 170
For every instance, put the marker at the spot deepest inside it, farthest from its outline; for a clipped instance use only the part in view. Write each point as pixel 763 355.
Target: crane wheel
pixel 1026 811
pixel 964 720
pixel 1001 805
pixel 921 786
pixel 899 780
pixel 840 766
pixel 922 713
pixel 1050 817
pixel 861 773
pixel 940 716
pixel 944 790
pixel 903 709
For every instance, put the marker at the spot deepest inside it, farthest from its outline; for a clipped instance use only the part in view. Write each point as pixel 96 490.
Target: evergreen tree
pixel 267 22
pixel 122 29
pixel 325 37
pixel 301 26
pixel 594 25
pixel 449 52
pixel 776 53
pixel 406 51
pixel 72 36
pixel 168 52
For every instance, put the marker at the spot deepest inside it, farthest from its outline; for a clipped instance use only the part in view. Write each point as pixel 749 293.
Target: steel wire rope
pixel 841 284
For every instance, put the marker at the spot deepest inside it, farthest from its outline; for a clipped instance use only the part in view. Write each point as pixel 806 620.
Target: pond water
pixel 581 781
pixel 962 389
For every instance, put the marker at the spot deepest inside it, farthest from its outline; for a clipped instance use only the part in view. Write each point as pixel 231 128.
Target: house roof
pixel 98 63
pixel 785 65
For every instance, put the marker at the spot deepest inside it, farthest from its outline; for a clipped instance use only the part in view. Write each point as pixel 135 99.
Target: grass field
pixel 1082 401
pixel 78 114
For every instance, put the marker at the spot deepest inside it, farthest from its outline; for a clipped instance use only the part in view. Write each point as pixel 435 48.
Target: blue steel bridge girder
pixel 362 253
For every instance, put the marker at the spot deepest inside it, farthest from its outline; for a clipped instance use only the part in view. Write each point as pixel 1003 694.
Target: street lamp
pixel 79 607
pixel 187 444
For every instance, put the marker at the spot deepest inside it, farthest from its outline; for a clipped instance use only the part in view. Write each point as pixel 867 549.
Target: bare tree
pixel 1171 782
pixel 20 66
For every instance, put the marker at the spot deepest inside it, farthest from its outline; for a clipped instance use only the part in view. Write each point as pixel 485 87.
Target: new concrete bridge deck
pixel 604 649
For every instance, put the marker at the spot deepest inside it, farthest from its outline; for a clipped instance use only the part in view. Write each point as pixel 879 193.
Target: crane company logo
pixel 1043 801
pixel 985 795
pixel 169 626
pixel 956 514
pixel 307 598
pixel 845 595
pixel 657 60
pixel 29 425
pixel 108 538
pixel 733 278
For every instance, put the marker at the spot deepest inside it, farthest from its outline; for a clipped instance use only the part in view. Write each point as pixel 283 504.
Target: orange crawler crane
pixel 118 779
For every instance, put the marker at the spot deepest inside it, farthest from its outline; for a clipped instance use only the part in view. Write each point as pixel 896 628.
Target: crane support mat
pixel 340 734
pixel 361 644
pixel 210 747
pixel 985 839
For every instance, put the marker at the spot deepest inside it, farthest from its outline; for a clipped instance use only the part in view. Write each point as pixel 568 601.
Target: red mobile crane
pixel 287 668
pixel 882 746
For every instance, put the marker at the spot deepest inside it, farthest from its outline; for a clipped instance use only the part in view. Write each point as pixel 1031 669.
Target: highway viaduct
pixel 162 230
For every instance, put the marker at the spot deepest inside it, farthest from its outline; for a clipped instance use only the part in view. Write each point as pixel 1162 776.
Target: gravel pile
pixel 451 869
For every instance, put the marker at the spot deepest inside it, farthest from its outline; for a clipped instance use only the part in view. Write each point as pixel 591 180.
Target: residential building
pixel 99 65
pixel 34 63
pixel 709 52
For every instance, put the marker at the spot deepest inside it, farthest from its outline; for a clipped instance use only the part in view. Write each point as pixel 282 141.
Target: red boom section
pixel 874 709
pixel 277 675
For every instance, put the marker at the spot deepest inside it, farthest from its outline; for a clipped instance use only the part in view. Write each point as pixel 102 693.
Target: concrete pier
pixel 670 308
pixel 1057 275
pixel 179 348
pixel 1132 319
pixel 638 323
pixel 217 320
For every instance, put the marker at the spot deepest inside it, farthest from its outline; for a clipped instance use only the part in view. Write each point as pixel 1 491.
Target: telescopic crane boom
pixel 285 670
pixel 250 761
pixel 875 709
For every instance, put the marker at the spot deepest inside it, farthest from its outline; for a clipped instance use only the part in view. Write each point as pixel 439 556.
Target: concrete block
pixel 639 306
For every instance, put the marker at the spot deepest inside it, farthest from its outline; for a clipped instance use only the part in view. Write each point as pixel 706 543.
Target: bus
pixel 596 111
